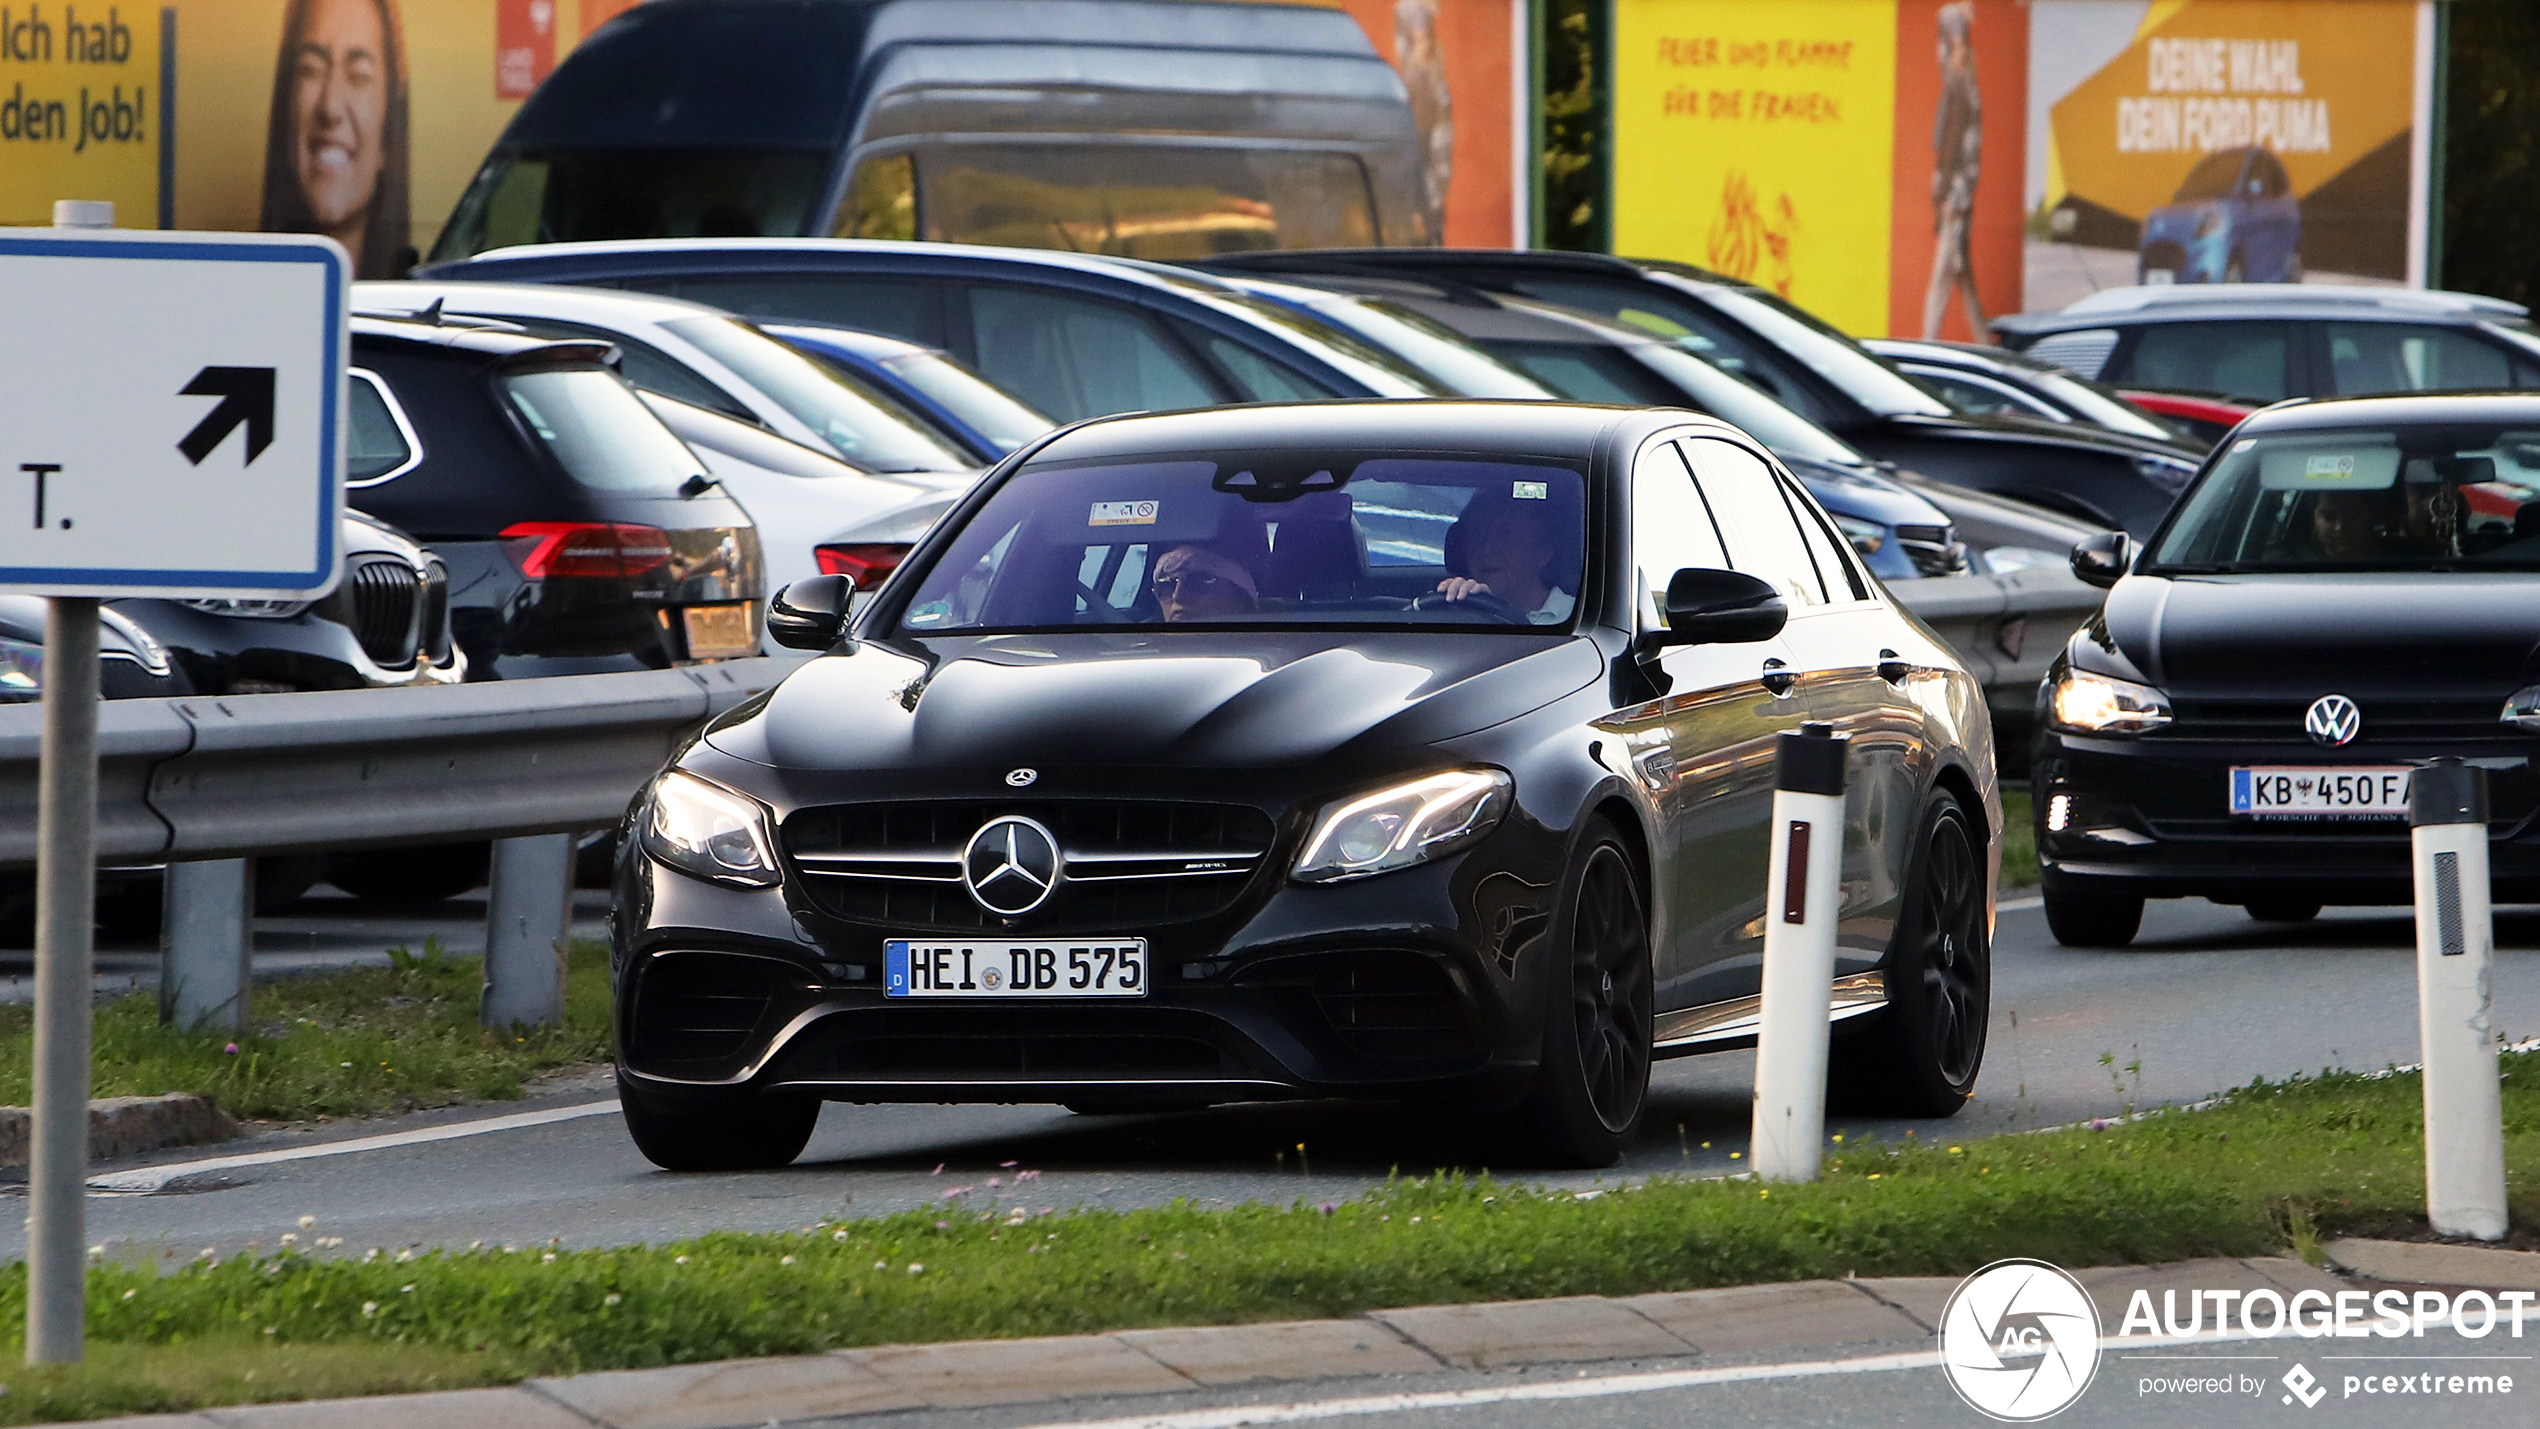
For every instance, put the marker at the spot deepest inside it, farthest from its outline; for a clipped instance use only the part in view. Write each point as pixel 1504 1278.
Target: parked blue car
pixel 2235 220
pixel 982 418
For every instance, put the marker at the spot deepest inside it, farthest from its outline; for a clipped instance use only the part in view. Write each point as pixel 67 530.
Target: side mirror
pixel 811 613
pixel 2101 559
pixel 1708 607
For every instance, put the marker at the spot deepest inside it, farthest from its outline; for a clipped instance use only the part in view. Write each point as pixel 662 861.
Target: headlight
pixel 2096 704
pixel 252 609
pixel 2522 711
pixel 704 829
pixel 2168 473
pixel 21 669
pixel 1865 536
pixel 1406 824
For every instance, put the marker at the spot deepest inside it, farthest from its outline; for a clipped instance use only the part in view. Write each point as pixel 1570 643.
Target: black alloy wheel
pixel 740 1131
pixel 1921 1055
pixel 1585 1103
pixel 2081 919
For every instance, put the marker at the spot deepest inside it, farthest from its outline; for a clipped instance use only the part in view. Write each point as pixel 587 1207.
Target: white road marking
pixel 157 1178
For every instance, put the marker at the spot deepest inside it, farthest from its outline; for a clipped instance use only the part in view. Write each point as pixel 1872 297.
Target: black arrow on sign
pixel 246 395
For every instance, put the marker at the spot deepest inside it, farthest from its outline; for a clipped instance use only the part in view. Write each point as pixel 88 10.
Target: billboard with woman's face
pixel 335 141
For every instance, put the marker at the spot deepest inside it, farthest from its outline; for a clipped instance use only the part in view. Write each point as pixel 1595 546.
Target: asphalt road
pixel 2205 1001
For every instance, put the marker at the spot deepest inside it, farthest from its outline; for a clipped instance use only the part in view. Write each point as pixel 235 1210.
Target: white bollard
pixel 2456 1002
pixel 1801 898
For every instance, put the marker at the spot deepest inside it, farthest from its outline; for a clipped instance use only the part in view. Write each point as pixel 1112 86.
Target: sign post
pixel 133 487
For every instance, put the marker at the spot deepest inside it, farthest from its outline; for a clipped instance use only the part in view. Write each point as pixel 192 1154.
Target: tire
pixel 428 874
pixel 2091 920
pixel 1920 1056
pixel 744 1133
pixel 2283 910
pixel 1585 1102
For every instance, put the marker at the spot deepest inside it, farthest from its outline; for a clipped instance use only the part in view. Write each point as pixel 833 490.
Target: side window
pixel 649 368
pixel 2238 359
pixel 1076 358
pixel 1256 378
pixel 2083 352
pixel 881 200
pixel 1671 529
pixel 912 308
pixel 381 444
pixel 2404 357
pixel 1842 578
pixel 1764 540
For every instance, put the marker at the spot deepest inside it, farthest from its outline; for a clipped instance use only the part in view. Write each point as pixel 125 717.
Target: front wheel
pixel 1585 1102
pixel 744 1132
pixel 1920 1056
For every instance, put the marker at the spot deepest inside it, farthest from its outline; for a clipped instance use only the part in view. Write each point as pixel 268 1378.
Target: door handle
pixel 1780 678
pixel 1892 669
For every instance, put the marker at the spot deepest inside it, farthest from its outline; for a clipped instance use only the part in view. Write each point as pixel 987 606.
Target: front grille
pixel 387 598
pixel 700 1007
pixel 433 633
pixel 1934 550
pixel 1388 1003
pixel 2385 722
pixel 1126 863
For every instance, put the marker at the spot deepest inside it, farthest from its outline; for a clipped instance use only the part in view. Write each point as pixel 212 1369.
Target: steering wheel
pixel 1481 605
pixel 1099 608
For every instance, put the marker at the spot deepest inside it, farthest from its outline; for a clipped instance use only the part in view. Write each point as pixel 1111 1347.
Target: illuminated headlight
pixel 251 609
pixel 1406 824
pixel 21 669
pixel 1865 536
pixel 2171 474
pixel 2095 704
pixel 2522 711
pixel 706 830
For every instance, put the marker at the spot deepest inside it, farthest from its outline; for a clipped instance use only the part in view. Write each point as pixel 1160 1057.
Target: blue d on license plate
pixel 1063 967
pixel 2295 791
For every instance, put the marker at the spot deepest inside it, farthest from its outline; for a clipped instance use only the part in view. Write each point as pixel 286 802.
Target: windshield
pixel 601 432
pixel 2393 498
pixel 1836 358
pixel 1708 389
pixel 634 193
pixel 859 422
pixel 1433 348
pixel 1004 420
pixel 1283 538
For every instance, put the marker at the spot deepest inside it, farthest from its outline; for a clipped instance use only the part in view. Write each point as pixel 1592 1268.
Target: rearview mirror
pixel 811 613
pixel 1708 607
pixel 2101 559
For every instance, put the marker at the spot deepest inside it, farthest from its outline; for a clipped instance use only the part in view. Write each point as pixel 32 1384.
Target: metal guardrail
pixel 215 777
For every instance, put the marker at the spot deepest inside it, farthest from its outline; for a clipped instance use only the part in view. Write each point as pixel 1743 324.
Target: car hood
pixel 1201 700
pixel 2395 635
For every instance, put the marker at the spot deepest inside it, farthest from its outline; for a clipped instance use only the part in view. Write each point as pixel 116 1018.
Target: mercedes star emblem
pixel 2333 720
pixel 1010 866
pixel 1020 777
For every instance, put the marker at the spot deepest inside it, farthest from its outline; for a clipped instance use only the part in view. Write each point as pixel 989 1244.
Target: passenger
pixel 1506 555
pixel 1196 582
pixel 2432 526
pixel 2347 525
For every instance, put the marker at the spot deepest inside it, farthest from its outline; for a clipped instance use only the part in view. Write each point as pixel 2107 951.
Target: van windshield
pixel 565 196
pixel 2391 498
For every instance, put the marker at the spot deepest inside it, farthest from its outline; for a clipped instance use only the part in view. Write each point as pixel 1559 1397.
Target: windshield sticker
pixel 1530 491
pixel 1123 513
pixel 2340 467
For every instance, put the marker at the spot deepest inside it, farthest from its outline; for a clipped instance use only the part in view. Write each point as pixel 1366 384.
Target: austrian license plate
pixel 2300 791
pixel 718 632
pixel 1081 967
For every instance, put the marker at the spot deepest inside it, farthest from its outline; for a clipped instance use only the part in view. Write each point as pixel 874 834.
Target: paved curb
pixel 2405 1262
pixel 1803 1319
pixel 126 1126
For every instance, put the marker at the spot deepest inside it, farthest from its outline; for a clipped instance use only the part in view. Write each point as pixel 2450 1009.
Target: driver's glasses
pixel 1187 585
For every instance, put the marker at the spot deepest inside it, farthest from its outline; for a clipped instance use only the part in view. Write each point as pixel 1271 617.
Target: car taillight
pixel 865 565
pixel 589 550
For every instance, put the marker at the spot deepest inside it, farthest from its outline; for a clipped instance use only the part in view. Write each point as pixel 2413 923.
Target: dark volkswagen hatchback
pixel 2350 589
pixel 1417 751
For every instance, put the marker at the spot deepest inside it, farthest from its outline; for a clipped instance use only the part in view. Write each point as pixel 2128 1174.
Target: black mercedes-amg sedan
pixel 2347 591
pixel 1418 751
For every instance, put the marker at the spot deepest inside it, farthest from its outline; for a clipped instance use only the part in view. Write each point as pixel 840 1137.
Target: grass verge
pixel 2019 842
pixel 2275 1168
pixel 352 1043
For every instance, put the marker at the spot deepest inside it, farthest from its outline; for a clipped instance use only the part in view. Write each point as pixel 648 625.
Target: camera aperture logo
pixel 2019 1340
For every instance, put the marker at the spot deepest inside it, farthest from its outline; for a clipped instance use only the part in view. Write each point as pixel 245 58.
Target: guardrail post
pixel 1800 903
pixel 2456 1004
pixel 205 943
pixel 529 913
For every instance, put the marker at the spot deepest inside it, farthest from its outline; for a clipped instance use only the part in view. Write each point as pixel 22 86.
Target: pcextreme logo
pixel 2019 1340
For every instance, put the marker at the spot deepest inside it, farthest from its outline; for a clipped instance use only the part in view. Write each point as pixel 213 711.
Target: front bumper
pixel 1422 984
pixel 2150 816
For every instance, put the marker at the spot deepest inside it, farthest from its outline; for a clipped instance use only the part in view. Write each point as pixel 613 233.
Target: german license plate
pixel 718 632
pixel 1056 967
pixel 2301 791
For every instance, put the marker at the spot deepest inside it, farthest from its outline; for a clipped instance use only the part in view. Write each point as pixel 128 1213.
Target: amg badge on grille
pixel 2333 720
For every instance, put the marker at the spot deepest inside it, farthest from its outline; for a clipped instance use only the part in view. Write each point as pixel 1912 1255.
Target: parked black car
pixel 1985 381
pixel 1811 368
pixel 2353 588
pixel 1400 750
pixel 132 664
pixel 580 534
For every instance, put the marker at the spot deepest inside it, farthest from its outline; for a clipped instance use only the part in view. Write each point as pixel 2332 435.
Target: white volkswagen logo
pixel 1010 866
pixel 2020 1340
pixel 2333 720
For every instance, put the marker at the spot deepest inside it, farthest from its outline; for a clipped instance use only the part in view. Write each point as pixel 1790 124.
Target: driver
pixel 1194 582
pixel 2347 525
pixel 1509 557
